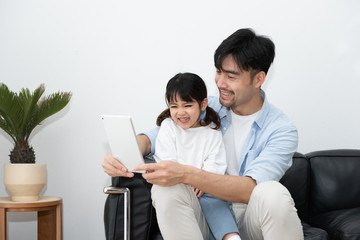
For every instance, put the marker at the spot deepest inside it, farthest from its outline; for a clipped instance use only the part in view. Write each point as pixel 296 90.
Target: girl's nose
pixel 181 111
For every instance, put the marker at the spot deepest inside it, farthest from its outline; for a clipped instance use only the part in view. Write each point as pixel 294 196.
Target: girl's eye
pixel 188 105
pixel 173 106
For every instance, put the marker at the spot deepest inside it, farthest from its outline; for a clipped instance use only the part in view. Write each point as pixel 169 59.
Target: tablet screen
pixel 122 140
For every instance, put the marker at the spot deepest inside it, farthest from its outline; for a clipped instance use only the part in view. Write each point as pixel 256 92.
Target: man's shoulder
pixel 276 118
pixel 272 116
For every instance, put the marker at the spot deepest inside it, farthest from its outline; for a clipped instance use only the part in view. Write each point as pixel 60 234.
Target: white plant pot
pixel 24 182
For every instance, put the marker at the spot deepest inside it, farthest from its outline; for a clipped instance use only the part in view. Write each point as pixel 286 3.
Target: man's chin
pixel 225 103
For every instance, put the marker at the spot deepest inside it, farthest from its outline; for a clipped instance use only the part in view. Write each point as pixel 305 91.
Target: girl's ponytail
pixel 165 114
pixel 211 116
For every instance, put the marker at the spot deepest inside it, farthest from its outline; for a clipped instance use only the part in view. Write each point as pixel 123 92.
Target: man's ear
pixel 204 104
pixel 259 79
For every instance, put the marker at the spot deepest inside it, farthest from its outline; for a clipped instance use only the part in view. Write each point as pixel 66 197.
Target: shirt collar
pixel 260 119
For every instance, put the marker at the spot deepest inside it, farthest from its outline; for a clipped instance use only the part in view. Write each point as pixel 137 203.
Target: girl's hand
pixel 198 192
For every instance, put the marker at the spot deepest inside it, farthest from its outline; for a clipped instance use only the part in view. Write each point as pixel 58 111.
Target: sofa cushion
pixel 296 180
pixel 334 183
pixel 313 233
pixel 340 224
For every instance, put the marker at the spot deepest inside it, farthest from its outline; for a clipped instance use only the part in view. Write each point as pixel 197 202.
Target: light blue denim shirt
pixel 268 150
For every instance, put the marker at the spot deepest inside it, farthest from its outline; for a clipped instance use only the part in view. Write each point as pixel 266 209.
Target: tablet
pixel 122 140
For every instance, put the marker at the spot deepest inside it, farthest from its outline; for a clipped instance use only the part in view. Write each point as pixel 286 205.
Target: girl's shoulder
pixel 167 122
pixel 210 129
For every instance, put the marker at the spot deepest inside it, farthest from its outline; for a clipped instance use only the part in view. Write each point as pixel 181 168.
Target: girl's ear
pixel 204 104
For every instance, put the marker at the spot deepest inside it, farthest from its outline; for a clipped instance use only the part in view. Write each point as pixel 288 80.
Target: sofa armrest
pixel 296 180
pixel 126 193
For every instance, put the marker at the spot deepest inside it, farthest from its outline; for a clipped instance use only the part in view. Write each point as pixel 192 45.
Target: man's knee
pixel 273 197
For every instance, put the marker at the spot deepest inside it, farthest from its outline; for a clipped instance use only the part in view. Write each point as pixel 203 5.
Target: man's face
pixel 236 88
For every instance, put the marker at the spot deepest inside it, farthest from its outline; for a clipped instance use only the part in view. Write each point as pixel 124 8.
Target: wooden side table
pixel 49 211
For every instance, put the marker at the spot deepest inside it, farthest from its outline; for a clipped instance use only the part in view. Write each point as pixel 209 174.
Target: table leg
pixel 47 225
pixel 58 222
pixel 2 224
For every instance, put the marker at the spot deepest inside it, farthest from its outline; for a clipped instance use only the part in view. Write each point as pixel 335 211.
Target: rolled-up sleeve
pixel 271 161
pixel 152 135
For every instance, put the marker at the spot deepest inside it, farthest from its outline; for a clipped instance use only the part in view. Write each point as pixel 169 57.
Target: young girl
pixel 189 134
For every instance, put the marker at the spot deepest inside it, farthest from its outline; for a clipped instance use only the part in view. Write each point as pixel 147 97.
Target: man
pixel 259 141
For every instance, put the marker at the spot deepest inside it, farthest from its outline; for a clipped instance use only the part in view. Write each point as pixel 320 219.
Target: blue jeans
pixel 219 216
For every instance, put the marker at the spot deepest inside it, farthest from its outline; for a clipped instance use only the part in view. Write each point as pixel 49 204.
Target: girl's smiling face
pixel 186 114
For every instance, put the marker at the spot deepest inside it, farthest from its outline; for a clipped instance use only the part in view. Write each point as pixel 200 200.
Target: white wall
pixel 116 56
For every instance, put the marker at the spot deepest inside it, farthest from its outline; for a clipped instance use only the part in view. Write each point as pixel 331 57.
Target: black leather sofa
pixel 325 186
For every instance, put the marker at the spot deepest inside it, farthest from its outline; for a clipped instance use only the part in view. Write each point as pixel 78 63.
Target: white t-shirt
pixel 234 140
pixel 201 147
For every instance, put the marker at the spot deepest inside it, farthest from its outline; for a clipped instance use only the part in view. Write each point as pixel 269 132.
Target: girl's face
pixel 186 114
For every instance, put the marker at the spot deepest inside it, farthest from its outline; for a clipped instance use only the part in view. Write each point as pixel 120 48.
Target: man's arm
pixel 144 144
pixel 230 188
pixel 226 187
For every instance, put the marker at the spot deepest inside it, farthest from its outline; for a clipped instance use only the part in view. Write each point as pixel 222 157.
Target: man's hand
pixel 164 173
pixel 114 167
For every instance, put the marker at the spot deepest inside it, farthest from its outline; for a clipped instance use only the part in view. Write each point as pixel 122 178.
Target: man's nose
pixel 220 80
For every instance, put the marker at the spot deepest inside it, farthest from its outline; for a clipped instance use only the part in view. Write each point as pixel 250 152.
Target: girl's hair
pixel 189 87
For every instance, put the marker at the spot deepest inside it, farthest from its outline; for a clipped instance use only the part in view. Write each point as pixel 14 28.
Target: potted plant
pixel 20 113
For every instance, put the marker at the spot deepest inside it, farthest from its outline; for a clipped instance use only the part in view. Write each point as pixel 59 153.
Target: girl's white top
pixel 201 147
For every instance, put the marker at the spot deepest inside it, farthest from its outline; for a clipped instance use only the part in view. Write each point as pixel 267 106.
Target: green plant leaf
pixel 6 128
pixel 10 111
pixel 48 106
pixel 21 113
pixel 29 102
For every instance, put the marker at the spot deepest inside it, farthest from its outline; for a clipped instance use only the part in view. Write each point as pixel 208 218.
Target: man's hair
pixel 250 52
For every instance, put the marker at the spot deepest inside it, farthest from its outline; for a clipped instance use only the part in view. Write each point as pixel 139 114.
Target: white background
pixel 116 57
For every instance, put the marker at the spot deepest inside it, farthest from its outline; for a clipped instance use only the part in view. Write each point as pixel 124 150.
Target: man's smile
pixel 226 93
